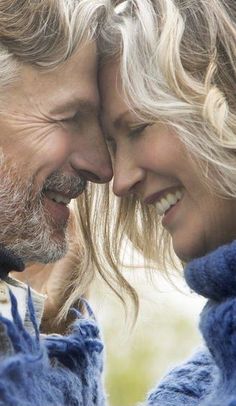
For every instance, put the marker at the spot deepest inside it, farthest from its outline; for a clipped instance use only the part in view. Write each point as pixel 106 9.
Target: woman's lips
pixel 170 214
pixel 165 198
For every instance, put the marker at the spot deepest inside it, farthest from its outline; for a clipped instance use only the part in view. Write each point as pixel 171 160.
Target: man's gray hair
pixel 45 33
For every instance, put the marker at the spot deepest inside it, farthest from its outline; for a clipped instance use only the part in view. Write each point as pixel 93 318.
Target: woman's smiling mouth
pixel 165 199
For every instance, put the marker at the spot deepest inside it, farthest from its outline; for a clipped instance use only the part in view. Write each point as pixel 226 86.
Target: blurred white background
pixel 166 333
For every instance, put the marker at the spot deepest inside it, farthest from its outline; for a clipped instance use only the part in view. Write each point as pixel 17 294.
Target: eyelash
pixel 74 118
pixel 136 131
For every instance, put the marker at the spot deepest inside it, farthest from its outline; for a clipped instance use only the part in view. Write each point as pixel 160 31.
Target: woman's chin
pixel 187 252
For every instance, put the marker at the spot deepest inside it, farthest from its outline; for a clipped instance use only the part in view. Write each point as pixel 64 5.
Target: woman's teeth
pixel 58 198
pixel 169 200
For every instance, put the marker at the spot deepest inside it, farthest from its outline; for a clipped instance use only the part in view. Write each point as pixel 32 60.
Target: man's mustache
pixel 71 186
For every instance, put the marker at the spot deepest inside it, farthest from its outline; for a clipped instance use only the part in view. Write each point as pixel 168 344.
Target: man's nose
pixel 127 176
pixel 92 160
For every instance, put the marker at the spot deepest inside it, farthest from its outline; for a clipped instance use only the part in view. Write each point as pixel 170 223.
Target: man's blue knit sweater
pixel 48 371
pixel 209 377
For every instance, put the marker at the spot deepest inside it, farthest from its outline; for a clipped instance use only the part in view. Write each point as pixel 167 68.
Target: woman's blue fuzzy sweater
pixel 209 377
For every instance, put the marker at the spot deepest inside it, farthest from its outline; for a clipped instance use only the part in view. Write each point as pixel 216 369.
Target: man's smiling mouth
pixel 58 197
pixel 59 189
pixel 57 206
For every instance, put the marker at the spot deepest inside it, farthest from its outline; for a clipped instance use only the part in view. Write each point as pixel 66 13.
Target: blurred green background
pixel 165 334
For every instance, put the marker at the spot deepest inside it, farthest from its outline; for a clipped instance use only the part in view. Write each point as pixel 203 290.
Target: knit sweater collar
pixel 9 262
pixel 214 275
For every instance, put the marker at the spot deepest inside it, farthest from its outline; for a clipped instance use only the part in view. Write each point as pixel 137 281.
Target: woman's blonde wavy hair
pixel 178 66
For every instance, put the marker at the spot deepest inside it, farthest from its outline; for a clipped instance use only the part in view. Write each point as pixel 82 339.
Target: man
pixel 50 146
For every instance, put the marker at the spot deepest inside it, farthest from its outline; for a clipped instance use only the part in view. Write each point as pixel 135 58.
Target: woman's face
pixel 151 162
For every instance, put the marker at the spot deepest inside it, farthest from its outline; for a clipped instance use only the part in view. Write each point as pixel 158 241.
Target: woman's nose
pixel 127 178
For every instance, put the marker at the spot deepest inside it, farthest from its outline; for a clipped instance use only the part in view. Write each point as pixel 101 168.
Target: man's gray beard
pixel 25 227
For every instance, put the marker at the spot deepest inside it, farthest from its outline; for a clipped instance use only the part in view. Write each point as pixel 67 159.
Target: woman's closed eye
pixel 137 130
pixel 132 132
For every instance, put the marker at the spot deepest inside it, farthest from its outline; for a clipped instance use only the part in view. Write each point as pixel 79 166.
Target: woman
pixel 168 85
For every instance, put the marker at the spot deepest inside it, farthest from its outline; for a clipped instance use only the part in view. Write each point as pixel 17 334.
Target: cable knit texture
pixel 53 371
pixel 208 379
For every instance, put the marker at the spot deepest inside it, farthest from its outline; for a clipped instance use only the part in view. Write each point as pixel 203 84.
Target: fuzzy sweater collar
pixel 208 378
pixel 214 275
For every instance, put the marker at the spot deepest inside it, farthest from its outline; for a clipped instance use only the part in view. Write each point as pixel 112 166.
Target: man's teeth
pixel 169 200
pixel 58 198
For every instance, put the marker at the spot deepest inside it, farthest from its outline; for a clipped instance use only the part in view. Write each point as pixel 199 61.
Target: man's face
pixel 50 144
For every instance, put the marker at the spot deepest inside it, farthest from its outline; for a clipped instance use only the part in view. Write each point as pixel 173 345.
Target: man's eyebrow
pixel 81 105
